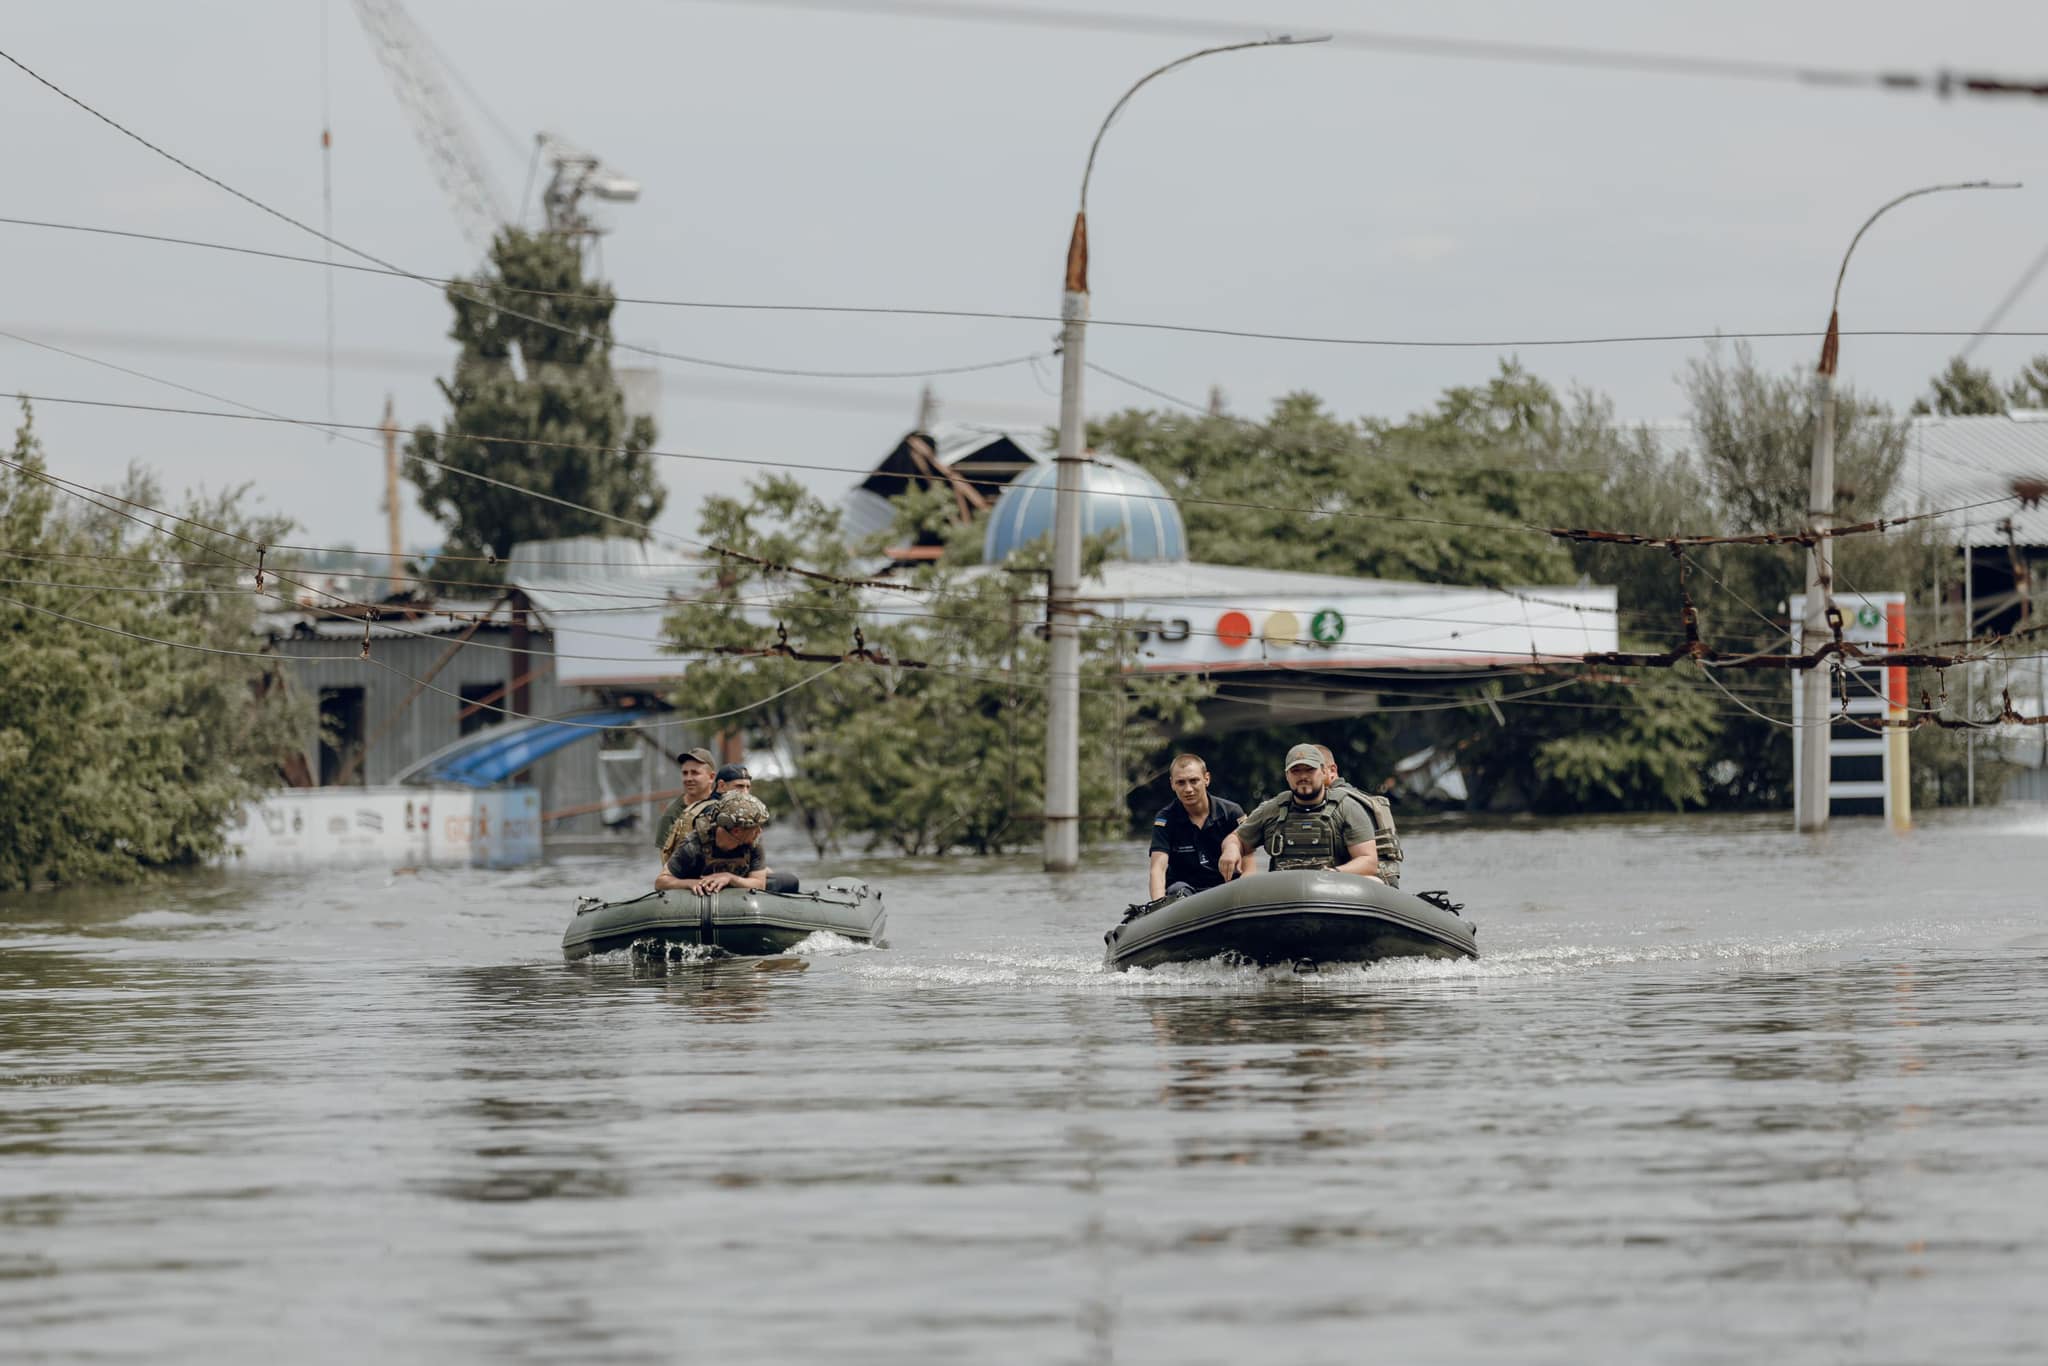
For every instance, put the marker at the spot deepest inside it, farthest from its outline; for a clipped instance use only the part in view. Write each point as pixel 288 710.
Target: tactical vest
pixel 1386 840
pixel 684 825
pixel 716 860
pixel 1306 837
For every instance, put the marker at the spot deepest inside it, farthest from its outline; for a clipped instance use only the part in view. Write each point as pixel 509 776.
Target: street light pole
pixel 1814 710
pixel 1063 684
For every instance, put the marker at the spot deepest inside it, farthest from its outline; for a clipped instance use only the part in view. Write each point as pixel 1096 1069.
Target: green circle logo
pixel 1867 616
pixel 1327 626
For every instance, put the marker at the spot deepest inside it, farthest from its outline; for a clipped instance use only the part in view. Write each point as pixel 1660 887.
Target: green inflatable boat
pixel 1302 918
pixel 733 921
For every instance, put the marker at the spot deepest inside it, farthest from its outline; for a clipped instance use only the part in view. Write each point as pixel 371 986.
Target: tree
pixel 1448 495
pixel 1962 391
pixel 519 382
pixel 923 759
pixel 118 756
pixel 1392 494
pixel 1619 744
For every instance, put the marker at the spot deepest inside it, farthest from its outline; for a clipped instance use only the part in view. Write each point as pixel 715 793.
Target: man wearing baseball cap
pixel 696 769
pixel 1303 828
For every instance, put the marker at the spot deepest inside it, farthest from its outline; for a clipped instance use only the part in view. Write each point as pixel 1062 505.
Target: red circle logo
pixel 1233 629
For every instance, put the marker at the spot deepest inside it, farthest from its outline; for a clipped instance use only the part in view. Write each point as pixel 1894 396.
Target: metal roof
pixel 447 617
pixel 1116 495
pixel 1193 581
pixel 606 596
pixel 492 755
pixel 1954 461
pixel 988 455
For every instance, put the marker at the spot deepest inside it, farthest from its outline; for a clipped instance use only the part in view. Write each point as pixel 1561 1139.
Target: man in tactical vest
pixel 729 854
pixel 1377 809
pixel 1304 827
pixel 681 816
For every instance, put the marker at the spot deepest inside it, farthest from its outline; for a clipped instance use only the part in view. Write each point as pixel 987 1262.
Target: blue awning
pixel 493 755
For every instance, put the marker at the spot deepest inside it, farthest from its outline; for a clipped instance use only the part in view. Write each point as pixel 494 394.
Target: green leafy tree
pixel 2029 388
pixel 120 757
pixel 1497 458
pixel 519 382
pixel 1962 391
pixel 948 755
pixel 1620 744
pixel 1389 495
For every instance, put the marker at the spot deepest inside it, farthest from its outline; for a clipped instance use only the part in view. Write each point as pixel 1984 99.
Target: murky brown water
pixel 1714 1094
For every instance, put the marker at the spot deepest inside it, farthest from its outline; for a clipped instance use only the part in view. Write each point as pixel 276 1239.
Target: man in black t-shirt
pixel 1189 832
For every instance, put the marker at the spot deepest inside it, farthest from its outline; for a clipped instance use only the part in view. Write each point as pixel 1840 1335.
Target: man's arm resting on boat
pixel 665 881
pixel 1364 860
pixel 1155 881
pixel 712 882
pixel 1232 861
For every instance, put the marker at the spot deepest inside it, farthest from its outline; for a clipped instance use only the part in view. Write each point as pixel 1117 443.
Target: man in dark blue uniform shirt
pixel 1189 832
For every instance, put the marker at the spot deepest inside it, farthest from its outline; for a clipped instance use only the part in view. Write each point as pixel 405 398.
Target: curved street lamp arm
pixel 1831 346
pixel 1077 248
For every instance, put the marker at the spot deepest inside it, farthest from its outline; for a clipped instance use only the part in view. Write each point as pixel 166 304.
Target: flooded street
pixel 1712 1093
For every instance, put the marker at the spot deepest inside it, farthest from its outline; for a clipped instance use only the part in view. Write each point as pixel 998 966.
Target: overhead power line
pixel 1942 83
pixel 440 285
pixel 1501 343
pixel 1799 537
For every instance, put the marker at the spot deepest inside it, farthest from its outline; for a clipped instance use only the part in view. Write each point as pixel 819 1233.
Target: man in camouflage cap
pixel 727 853
pixel 1304 827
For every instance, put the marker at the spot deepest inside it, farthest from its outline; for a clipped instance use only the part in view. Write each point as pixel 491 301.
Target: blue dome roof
pixel 1116 496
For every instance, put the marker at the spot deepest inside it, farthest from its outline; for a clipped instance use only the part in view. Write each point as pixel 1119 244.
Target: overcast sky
pixel 799 157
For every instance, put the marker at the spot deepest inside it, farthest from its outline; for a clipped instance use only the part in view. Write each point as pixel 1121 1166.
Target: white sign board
pixel 1867 764
pixel 1417 629
pixel 396 826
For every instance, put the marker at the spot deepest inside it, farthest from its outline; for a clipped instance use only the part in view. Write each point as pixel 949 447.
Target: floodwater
pixel 1713 1094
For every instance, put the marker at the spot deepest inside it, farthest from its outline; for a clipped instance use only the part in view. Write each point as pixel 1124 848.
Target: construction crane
pixel 451 152
pixel 407 55
pixel 575 174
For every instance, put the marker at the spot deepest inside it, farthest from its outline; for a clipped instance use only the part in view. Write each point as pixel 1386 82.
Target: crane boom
pixel 451 152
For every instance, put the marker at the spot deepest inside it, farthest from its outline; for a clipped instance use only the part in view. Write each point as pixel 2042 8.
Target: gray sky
pixel 857 159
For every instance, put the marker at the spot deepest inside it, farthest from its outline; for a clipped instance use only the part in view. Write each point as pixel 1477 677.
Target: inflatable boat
pixel 734 921
pixel 1304 918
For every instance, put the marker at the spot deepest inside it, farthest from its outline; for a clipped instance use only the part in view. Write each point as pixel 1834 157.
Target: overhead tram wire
pixel 440 285
pixel 1003 315
pixel 1335 514
pixel 1005 676
pixel 1942 83
pixel 342 429
pixel 507 712
pixel 337 428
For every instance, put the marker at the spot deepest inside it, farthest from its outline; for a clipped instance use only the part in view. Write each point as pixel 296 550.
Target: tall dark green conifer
pixel 559 390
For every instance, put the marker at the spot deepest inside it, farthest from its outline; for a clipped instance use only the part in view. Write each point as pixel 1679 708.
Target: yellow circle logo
pixel 1282 628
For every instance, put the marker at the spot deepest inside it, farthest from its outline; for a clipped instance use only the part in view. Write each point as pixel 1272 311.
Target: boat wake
pixel 825 944
pixel 1067 971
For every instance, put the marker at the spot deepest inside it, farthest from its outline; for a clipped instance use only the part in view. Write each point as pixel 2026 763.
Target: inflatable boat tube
pixel 1303 917
pixel 734 921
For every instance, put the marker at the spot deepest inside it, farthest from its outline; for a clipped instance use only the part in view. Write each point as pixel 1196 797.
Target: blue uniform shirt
pixel 1191 853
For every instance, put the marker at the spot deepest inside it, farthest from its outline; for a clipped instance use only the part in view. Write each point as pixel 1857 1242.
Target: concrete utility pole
pixel 1815 706
pixel 1063 683
pixel 390 430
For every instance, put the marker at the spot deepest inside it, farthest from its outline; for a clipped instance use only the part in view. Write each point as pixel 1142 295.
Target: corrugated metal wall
pixel 568 778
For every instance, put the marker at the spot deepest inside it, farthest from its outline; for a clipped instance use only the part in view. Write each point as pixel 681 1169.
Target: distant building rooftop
pixel 973 462
pixel 1955 461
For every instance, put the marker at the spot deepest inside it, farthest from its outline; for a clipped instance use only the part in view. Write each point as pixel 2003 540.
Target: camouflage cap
pixel 738 810
pixel 1304 756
